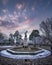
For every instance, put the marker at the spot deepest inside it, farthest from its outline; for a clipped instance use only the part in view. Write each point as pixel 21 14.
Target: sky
pixel 23 15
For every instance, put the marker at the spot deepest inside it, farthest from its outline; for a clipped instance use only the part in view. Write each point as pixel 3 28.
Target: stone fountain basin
pixel 25 51
pixel 25 54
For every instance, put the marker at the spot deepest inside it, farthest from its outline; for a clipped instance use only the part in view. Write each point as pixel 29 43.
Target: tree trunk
pixel 51 47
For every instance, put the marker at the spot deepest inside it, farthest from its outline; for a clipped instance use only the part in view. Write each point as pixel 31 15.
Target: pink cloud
pixel 13 18
pixel 19 6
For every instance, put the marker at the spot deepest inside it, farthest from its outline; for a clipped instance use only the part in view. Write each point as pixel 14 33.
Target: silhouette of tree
pixel 46 28
pixel 34 33
pixel 2 39
pixel 1 36
pixel 17 36
pixel 11 39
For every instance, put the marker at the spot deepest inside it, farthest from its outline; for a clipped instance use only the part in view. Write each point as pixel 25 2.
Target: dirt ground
pixel 45 61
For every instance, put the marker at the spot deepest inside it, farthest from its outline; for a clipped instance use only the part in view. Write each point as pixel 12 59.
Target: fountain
pixel 24 52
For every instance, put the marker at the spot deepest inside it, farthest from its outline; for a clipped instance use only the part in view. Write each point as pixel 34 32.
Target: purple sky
pixel 23 15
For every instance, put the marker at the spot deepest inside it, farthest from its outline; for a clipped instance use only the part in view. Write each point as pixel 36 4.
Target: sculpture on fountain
pixel 25 39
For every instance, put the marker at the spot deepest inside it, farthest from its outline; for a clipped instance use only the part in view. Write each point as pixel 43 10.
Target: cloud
pixel 6 24
pixel 20 19
pixel 5 1
pixel 5 11
pixel 19 6
pixel 12 21
pixel 33 8
pixel 8 21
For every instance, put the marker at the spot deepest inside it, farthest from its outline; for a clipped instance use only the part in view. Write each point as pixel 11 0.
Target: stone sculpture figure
pixel 25 39
pixel 25 36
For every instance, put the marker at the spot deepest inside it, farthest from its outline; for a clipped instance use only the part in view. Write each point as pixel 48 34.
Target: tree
pixel 1 36
pixel 34 33
pixel 11 39
pixel 46 27
pixel 16 36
